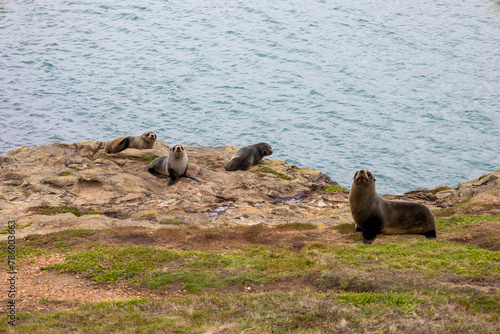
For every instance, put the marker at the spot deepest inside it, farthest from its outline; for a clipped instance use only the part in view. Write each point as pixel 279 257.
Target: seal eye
pixel 369 174
pixel 356 174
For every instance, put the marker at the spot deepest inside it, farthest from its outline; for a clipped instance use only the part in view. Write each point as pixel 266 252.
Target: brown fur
pixel 373 215
pixel 142 142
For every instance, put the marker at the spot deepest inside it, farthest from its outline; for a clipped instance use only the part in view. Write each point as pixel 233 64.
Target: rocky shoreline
pixel 59 186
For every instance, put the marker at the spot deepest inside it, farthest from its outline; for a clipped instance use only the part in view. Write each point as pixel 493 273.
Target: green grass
pixel 380 288
pixel 53 210
pixel 270 312
pixel 430 257
pixel 195 270
pixel 443 224
pixel 334 188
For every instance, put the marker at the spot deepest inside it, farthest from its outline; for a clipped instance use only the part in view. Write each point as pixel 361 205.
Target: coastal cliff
pixel 271 249
pixel 60 186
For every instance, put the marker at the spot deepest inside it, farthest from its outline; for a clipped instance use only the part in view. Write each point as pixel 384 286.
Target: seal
pixel 373 215
pixel 175 164
pixel 143 142
pixel 248 156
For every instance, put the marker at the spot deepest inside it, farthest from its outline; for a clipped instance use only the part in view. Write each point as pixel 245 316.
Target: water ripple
pixel 410 91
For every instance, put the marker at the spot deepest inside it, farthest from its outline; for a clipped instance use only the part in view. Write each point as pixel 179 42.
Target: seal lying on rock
pixel 373 215
pixel 143 142
pixel 249 156
pixel 175 165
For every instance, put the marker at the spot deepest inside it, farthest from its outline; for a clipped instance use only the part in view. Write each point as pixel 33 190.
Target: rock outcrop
pixel 118 190
pixel 60 186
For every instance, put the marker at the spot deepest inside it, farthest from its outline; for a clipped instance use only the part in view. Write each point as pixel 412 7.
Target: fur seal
pixel 143 142
pixel 174 164
pixel 248 156
pixel 373 215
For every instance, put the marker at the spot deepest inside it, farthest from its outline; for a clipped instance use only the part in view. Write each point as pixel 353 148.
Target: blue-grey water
pixel 407 89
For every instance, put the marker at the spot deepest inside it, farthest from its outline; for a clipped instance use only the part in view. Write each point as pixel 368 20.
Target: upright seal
pixel 249 156
pixel 175 165
pixel 373 215
pixel 143 142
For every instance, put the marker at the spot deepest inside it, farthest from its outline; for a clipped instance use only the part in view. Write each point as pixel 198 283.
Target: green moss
pixel 171 222
pixel 17 226
pixel 53 210
pixel 345 228
pixel 267 170
pixel 298 226
pixel 334 188
pixel 65 174
pixel 146 159
pixel 441 188
pixel 444 223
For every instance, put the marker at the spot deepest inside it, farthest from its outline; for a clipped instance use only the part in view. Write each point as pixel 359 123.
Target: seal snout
pixel 178 149
pixel 362 176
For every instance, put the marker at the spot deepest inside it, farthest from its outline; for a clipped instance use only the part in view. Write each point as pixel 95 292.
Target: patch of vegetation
pixel 146 159
pixel 441 188
pixel 195 270
pixel 269 312
pixel 264 163
pixel 297 226
pixel 429 256
pixel 37 240
pixel 410 282
pixel 267 170
pixel 345 228
pixel 405 301
pixel 443 224
pixel 64 174
pixel 53 210
pixel 17 226
pixel 171 222
pixel 334 188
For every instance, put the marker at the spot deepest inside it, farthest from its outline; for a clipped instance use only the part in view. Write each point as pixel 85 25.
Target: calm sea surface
pixel 407 89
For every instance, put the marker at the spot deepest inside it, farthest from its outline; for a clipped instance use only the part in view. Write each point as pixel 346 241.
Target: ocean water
pixel 409 90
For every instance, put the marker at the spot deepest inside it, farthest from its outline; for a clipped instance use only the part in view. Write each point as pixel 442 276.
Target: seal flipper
pixel 120 147
pixel 373 226
pixel 174 178
pixel 430 234
pixel 368 239
pixel 192 177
